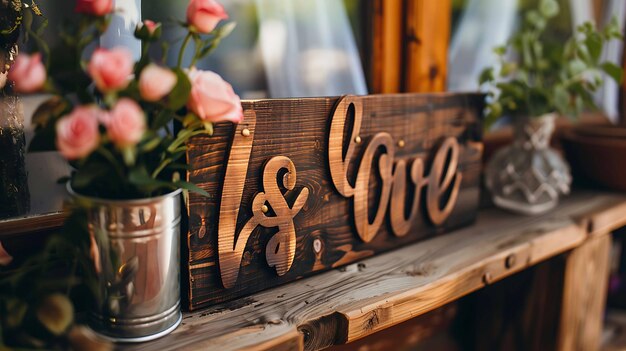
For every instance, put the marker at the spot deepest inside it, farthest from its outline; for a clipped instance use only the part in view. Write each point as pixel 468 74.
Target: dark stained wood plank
pixel 520 313
pixel 317 227
pixel 27 225
pixel 346 304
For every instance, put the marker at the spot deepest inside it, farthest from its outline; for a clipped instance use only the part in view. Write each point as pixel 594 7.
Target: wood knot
pixel 372 321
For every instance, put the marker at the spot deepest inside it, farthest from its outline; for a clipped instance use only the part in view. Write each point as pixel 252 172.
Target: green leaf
pixel 614 71
pixel 576 66
pixel 85 175
pixel 486 76
pixel 192 187
pixel 549 8
pixel 593 42
pixel 180 93
pixel 151 144
pixel 499 50
pixel 142 180
pixel 508 68
pixel 561 99
pixel 226 29
pixel 129 154
pixel 162 118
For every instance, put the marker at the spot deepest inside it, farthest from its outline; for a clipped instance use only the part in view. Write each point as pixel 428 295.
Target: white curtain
pixel 483 25
pixel 122 28
pixel 308 49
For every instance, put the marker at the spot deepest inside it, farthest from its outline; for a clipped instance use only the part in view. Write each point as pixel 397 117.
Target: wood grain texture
pixel 28 225
pixel 584 295
pixel 343 305
pixel 228 236
pixel 387 46
pixel 428 34
pixel 409 335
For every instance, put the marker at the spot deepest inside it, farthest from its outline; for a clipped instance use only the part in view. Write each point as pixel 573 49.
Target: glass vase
pixel 528 176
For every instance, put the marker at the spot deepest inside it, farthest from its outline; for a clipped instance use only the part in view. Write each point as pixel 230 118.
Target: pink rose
pixel 28 73
pixel 111 70
pixel 5 258
pixel 204 15
pixel 94 7
pixel 212 99
pixel 151 25
pixel 77 133
pixel 126 123
pixel 155 82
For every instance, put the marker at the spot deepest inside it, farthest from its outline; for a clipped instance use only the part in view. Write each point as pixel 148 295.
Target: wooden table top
pixel 352 302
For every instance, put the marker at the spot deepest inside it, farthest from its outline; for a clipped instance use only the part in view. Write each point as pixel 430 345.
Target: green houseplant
pixel 536 79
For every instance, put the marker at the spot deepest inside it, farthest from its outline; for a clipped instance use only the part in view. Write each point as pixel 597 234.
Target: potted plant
pixel 536 80
pixel 123 127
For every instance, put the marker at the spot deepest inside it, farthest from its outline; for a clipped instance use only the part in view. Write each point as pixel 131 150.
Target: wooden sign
pixel 305 185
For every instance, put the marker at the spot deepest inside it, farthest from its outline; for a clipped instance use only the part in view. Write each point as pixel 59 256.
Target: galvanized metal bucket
pixel 137 259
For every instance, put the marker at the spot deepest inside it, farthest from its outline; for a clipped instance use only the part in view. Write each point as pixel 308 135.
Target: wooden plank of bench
pixel 347 304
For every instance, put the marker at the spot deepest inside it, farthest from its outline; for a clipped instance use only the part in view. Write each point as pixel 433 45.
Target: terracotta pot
pixel 599 159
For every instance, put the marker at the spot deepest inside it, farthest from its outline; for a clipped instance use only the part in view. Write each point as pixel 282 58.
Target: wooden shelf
pixel 349 303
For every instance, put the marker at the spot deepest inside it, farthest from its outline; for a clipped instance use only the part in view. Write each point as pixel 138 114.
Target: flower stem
pixel 182 50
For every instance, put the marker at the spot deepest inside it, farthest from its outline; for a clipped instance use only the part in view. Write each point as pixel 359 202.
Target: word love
pixel 271 209
pixel 442 183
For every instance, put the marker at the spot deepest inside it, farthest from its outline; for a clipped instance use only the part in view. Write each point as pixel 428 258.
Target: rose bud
pixel 94 7
pixel 155 82
pixel 28 73
pixel 56 313
pixel 148 30
pixel 213 99
pixel 204 15
pixel 111 70
pixel 77 133
pixel 126 123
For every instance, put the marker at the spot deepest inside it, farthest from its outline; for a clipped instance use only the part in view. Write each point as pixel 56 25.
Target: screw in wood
pixel 245 132
pixel 510 261
pixel 487 278
pixel 401 143
pixel 264 209
pixel 357 139
pixel 317 245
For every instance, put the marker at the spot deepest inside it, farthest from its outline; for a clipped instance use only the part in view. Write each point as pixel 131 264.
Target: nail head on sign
pixel 245 132
pixel 357 139
pixel 401 143
pixel 264 208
